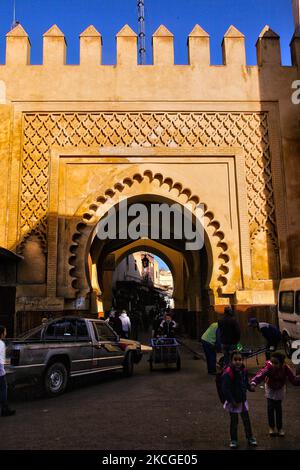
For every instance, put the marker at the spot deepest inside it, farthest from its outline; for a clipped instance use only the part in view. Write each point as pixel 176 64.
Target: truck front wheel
pixel 287 342
pixel 56 379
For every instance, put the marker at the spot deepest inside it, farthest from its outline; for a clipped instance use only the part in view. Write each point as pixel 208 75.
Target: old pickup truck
pixel 69 347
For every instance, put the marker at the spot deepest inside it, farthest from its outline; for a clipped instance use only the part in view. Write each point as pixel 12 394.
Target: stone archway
pixel 190 291
pixel 161 188
pixel 173 259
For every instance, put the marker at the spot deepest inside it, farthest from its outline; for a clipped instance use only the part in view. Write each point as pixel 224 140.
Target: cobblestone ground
pixel 160 410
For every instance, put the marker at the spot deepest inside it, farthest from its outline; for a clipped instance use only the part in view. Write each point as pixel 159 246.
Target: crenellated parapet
pixel 233 47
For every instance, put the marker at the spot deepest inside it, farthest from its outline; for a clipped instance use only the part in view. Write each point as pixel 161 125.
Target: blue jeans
pixel 3 392
pixel 211 357
pixel 234 419
pixel 275 410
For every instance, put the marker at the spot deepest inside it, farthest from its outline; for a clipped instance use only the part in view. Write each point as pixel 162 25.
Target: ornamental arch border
pixel 96 205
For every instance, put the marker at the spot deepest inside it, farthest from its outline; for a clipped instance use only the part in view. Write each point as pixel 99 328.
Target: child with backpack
pixel 275 375
pixel 234 386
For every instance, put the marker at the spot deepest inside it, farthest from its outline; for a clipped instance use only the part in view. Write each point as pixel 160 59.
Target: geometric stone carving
pixel 264 267
pixel 43 130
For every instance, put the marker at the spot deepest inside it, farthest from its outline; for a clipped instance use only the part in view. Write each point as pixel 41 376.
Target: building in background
pixel 131 268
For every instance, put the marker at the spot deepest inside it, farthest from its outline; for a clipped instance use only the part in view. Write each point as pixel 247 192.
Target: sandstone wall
pixel 71 132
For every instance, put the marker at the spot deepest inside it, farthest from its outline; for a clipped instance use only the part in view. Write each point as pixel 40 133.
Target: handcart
pixel 165 351
pixel 246 353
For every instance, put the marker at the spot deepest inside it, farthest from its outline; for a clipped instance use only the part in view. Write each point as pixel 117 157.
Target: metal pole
pixel 14 22
pixel 14 13
pixel 141 31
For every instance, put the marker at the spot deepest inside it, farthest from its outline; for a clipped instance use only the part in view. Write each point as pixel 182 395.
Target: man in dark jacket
pixel 270 332
pixel 230 333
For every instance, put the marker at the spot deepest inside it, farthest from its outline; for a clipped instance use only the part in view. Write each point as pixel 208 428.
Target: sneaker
pixel 252 442
pixel 281 433
pixel 8 412
pixel 272 432
pixel 233 444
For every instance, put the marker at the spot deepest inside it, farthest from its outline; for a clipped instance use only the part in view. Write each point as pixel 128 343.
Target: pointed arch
pixel 140 185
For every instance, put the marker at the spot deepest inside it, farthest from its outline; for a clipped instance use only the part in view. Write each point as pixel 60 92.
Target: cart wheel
pixel 178 363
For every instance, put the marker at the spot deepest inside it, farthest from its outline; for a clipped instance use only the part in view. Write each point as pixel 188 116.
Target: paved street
pixel 159 410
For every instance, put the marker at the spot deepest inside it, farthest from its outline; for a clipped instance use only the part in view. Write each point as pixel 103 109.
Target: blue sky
pixel 180 16
pixel 161 263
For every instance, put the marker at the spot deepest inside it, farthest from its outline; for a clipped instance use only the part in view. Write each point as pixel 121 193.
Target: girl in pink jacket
pixel 275 375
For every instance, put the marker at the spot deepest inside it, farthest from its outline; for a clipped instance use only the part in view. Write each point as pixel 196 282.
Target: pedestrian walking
pixel 135 318
pixel 114 322
pixel 275 375
pixel 145 320
pixel 111 318
pixel 230 333
pixel 235 383
pixel 5 409
pixel 156 324
pixel 126 324
pixel 211 344
pixel 270 332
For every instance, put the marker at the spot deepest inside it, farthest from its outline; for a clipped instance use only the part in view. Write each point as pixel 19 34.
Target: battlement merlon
pixel 295 48
pixel 233 47
pixel 198 46
pixel 126 47
pixel 17 47
pixel 90 46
